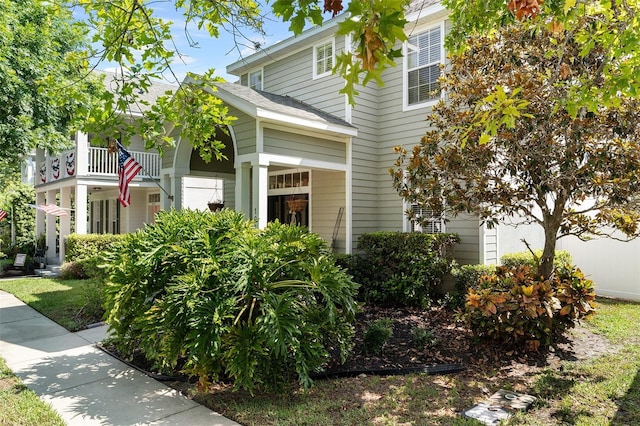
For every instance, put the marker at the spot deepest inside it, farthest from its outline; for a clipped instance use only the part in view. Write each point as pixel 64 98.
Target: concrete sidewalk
pixel 84 384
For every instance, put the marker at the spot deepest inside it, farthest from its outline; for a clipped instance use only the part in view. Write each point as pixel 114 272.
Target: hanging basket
pixel 297 204
pixel 215 206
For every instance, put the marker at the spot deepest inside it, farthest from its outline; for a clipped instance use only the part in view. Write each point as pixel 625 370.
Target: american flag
pixel 51 209
pixel 128 168
pixel 3 214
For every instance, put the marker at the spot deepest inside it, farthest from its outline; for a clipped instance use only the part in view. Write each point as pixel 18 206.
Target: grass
pixel 600 391
pixel 20 406
pixel 74 304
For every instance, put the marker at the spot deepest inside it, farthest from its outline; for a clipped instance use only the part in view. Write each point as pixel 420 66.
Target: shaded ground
pixel 439 398
pixel 453 343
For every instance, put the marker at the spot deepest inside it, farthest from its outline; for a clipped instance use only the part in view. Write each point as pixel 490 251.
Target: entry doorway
pixel 279 209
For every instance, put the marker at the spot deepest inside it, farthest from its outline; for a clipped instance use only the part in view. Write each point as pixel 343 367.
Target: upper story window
pixel 255 80
pixel 424 55
pixel 323 59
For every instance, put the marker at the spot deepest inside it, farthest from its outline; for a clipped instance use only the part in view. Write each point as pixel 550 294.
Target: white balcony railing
pixel 100 162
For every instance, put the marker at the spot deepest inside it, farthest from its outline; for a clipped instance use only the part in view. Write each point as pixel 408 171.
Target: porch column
pixel 176 186
pixel 81 210
pixel 51 228
pixel 243 195
pixel 65 221
pixel 260 194
pixel 82 154
pixel 40 216
pixel 165 182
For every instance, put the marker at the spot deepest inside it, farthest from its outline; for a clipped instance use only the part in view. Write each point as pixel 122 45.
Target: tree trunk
pixel 545 267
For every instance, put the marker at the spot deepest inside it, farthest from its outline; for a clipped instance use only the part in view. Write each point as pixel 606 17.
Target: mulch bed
pixel 454 348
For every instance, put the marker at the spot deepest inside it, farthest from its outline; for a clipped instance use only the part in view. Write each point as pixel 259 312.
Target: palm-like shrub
pixel 213 294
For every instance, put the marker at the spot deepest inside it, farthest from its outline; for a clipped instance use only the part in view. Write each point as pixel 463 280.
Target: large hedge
pixel 401 268
pixel 210 293
pixel 83 254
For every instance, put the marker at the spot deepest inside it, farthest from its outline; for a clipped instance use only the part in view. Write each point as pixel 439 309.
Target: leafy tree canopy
pixel 42 87
pixel 607 28
pixel 129 33
pixel 507 141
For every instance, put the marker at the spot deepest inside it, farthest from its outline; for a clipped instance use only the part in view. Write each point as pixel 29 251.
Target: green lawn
pixel 74 304
pixel 20 406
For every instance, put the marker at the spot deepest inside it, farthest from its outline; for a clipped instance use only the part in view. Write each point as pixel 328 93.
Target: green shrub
pixel 513 307
pixel 398 268
pixel 212 293
pixel 422 337
pixel 90 245
pixel 466 277
pixel 83 255
pixel 377 335
pixel 512 260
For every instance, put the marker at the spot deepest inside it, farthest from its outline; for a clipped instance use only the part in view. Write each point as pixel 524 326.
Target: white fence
pixel 614 266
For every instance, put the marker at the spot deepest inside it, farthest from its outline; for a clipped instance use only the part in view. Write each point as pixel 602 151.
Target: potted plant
pixel 216 203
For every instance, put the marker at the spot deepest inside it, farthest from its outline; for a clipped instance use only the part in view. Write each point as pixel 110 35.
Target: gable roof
pixel 285 109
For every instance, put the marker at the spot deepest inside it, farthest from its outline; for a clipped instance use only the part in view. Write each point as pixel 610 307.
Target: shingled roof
pixel 281 104
pixel 417 5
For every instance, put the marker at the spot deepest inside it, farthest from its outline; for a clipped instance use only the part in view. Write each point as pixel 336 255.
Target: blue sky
pixel 211 52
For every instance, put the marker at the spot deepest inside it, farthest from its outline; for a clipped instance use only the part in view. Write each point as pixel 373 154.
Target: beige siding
pixel 294 77
pixel 327 197
pixel 468 228
pixel 297 145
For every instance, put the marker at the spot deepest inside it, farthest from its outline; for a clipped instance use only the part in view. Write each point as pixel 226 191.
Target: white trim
pixel 437 10
pixel 405 65
pixel 331 41
pixel 302 122
pixel 287 161
pixel 348 109
pixel 259 136
pixel 349 198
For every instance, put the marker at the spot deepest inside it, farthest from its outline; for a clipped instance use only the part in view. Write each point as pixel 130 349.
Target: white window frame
pixel 316 59
pixel 259 73
pixel 435 225
pixel 405 70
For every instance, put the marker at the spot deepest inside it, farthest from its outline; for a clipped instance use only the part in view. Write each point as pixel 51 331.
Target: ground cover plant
pixel 216 298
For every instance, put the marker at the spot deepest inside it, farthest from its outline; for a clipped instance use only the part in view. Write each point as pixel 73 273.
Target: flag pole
pixel 169 196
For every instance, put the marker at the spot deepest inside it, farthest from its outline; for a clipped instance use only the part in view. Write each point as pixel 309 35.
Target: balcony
pixel 99 162
pixel 104 163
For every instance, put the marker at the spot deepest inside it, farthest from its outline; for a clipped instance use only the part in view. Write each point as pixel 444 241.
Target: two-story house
pixel 295 138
